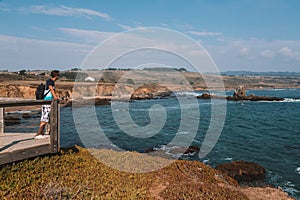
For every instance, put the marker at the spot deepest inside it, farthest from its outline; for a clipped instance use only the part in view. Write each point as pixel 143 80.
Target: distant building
pixel 39 72
pixel 89 78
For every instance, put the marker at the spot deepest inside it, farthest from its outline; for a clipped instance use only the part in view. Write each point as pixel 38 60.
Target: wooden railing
pixel 54 118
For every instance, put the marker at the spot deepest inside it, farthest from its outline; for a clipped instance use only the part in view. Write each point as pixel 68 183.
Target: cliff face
pixel 68 91
pixel 17 91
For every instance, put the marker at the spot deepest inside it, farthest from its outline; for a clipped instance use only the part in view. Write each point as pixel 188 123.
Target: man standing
pixel 49 95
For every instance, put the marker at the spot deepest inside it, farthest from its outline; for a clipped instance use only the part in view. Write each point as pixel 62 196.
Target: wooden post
pixel 55 126
pixel 2 120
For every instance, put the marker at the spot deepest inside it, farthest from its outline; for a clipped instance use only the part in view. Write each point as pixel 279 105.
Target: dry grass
pixel 78 175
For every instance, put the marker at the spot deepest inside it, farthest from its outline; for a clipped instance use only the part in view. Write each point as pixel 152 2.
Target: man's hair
pixel 54 73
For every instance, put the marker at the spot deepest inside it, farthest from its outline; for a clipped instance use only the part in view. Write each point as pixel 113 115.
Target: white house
pixel 89 78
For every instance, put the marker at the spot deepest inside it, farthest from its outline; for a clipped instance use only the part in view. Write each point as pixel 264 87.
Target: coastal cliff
pixel 77 174
pixel 101 90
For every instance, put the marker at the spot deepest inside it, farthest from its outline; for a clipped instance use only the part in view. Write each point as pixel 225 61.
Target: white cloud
pixel 289 53
pixel 88 36
pixel 263 55
pixel 36 28
pixel 4 7
pixel 198 33
pixel 267 53
pixel 63 11
pixel 184 26
pixel 18 52
pixel 125 27
pixel 244 52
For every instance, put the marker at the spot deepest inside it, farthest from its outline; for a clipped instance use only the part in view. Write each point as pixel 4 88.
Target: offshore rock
pixel 240 92
pixel 87 102
pixel 236 98
pixel 192 149
pixel 254 98
pixel 11 120
pixel 243 171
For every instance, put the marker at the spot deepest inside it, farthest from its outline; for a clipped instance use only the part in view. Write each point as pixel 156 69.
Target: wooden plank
pixel 24 103
pixel 1 120
pixel 54 127
pixel 30 152
pixel 8 138
pixel 19 146
pixel 20 141
pixel 58 127
pixel 24 154
pixel 5 158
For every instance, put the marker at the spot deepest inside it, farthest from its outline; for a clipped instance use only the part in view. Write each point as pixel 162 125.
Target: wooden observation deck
pixel 20 146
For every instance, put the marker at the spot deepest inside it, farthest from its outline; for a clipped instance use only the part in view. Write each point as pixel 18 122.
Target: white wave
pixel 286 100
pixel 113 145
pixel 278 89
pixel 121 110
pixel 183 133
pixel 291 100
pixel 194 94
pixel 229 159
pixel 298 170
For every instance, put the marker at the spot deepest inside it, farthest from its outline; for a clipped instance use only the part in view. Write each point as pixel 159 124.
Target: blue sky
pixel 261 35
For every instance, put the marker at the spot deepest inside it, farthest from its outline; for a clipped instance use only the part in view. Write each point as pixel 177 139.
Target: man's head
pixel 55 74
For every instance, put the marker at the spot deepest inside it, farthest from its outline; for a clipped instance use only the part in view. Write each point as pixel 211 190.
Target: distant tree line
pixel 165 69
pixel 80 76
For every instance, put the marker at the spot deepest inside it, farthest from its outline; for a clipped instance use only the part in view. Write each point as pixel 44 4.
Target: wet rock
pixel 87 102
pixel 192 149
pixel 240 92
pixel 204 96
pixel 237 98
pixel 209 96
pixel 26 115
pixel 254 98
pixel 32 114
pixel 149 150
pixel 243 171
pixel 11 120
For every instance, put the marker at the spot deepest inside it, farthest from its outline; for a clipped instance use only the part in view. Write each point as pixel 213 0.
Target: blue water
pixel 267 133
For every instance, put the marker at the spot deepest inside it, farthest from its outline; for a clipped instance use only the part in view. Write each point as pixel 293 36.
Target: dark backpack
pixel 39 92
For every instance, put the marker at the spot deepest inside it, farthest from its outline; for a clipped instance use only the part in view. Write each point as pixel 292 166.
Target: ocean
pixel 267 133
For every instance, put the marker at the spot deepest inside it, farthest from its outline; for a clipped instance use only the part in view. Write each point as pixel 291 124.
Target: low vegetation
pixel 75 174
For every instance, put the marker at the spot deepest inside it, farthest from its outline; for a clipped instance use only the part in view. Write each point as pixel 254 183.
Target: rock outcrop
pixel 240 95
pixel 11 120
pixel 151 91
pixel 243 171
pixel 86 102
pixel 240 92
pixel 254 98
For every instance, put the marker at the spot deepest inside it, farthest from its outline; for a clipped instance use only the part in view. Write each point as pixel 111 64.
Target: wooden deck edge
pixel 23 154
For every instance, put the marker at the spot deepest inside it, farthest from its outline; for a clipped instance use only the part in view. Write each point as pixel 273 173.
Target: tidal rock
pixel 11 120
pixel 243 171
pixel 149 150
pixel 239 98
pixel 209 96
pixel 254 98
pixel 26 115
pixel 87 102
pixel 192 149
